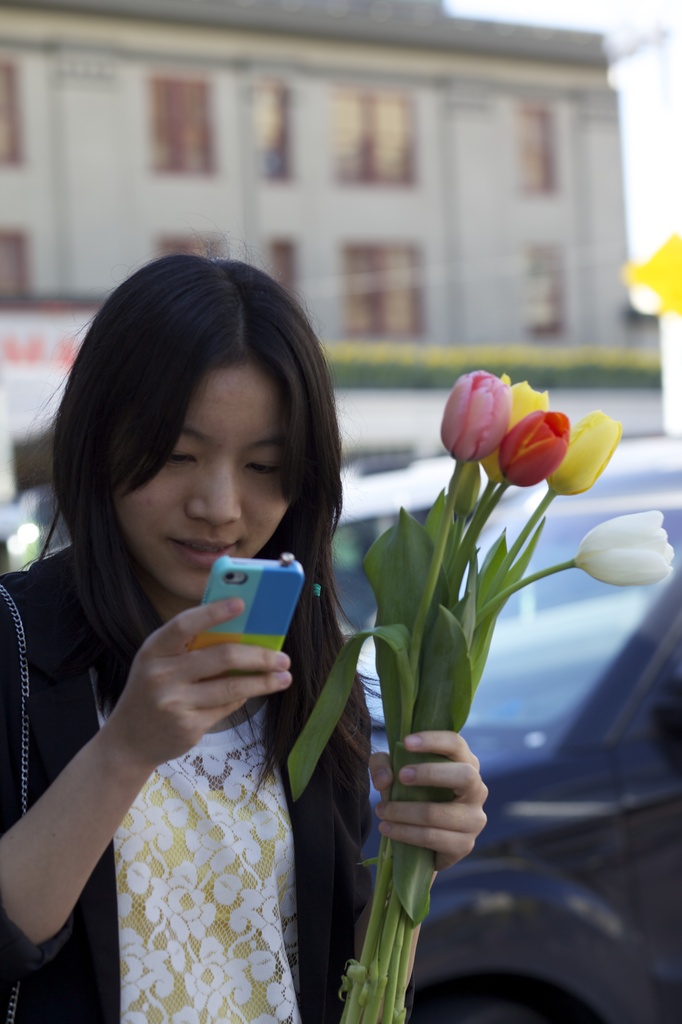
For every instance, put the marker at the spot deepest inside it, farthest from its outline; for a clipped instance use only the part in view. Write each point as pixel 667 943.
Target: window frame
pixel 369 164
pixel 8 71
pixel 555 327
pixel 283 260
pixel 283 140
pixel 537 149
pixel 190 245
pixel 170 100
pixel 20 259
pixel 378 298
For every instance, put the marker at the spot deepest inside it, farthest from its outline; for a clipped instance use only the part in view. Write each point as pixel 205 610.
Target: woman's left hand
pixel 450 828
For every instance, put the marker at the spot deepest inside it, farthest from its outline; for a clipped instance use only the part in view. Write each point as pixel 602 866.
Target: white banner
pixel 37 347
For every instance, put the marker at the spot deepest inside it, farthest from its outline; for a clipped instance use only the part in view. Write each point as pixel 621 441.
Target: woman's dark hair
pixel 146 351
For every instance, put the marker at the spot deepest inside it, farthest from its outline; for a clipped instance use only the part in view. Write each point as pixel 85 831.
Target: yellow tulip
pixel 593 441
pixel 524 401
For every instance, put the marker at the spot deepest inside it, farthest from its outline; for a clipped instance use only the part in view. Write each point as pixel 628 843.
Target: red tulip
pixel 476 416
pixel 534 448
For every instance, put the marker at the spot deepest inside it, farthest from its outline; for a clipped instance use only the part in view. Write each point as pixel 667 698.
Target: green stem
pixel 434 569
pixel 500 598
pixel 382 888
pixel 530 525
pixel 450 557
pixel 522 538
pixel 460 522
pixel 376 1004
pixel 388 1012
pixel 388 935
pixel 353 1011
pixel 404 967
pixel 487 502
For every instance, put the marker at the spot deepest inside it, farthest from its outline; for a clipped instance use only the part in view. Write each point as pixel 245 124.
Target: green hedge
pixel 393 365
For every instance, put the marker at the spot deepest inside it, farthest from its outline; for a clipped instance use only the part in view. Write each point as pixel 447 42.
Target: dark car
pixel 570 909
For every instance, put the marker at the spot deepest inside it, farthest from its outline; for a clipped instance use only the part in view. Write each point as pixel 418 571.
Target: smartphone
pixel 269 590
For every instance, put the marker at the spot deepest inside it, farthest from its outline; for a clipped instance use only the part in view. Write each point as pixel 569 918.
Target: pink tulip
pixel 476 416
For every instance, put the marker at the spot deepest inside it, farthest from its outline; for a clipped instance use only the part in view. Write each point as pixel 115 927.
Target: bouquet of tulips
pixel 436 612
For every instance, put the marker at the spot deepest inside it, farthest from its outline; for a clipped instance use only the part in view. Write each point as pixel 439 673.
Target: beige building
pixel 415 176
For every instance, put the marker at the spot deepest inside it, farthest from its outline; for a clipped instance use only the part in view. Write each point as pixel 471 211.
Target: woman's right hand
pixel 174 695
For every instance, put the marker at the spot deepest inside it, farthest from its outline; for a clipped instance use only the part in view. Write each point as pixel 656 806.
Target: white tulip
pixel 627 551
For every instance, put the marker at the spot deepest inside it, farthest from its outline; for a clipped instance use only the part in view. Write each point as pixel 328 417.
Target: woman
pixel 162 872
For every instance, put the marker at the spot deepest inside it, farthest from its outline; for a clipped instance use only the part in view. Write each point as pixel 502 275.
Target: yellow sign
pixel 662 274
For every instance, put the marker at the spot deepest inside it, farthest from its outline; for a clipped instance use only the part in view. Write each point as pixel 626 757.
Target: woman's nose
pixel 216 500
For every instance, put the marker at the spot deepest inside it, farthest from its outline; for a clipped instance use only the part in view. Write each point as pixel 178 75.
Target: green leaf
pixel 485 627
pixel 523 561
pixel 491 565
pixel 332 700
pixel 398 688
pixel 413 866
pixel 443 702
pixel 480 647
pixel 328 709
pixel 450 554
pixel 445 691
pixel 495 605
pixel 433 520
pixel 465 609
pixel 397 566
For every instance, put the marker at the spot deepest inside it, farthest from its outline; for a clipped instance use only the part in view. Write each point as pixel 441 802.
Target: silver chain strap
pixel 25 692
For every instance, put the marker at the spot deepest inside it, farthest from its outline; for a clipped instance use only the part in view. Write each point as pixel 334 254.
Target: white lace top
pixel 206 898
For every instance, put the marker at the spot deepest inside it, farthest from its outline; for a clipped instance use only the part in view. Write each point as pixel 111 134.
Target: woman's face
pixel 220 493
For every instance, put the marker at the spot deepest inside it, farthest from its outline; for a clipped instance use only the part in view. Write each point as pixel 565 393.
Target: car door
pixel 649 763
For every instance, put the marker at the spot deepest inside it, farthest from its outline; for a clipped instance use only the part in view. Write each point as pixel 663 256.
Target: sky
pixel 647 34
pixel 596 15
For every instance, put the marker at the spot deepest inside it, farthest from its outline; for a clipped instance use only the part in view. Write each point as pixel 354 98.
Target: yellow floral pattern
pixel 206 897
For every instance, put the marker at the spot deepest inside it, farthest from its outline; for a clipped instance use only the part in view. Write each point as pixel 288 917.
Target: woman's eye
pixel 260 467
pixel 176 458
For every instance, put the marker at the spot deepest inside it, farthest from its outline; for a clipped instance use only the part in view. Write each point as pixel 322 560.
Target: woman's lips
pixel 201 554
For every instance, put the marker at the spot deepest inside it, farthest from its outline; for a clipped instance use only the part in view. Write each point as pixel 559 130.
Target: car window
pixel 555 638
pixel 352 541
pixel 544 661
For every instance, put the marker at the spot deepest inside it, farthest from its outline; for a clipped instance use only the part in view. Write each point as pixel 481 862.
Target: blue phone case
pixel 269 590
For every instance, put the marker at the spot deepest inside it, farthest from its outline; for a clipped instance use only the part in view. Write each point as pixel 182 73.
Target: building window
pixel 182 126
pixel 283 262
pixel 272 130
pixel 191 245
pixel 543 291
pixel 13 272
pixel 9 116
pixel 382 291
pixel 373 137
pixel 537 149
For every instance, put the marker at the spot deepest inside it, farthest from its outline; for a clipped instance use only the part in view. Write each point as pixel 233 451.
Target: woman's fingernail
pixel 282 660
pixel 413 742
pixel 283 679
pixel 407 775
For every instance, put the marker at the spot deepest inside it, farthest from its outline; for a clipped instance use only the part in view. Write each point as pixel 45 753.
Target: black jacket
pixel 75 976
